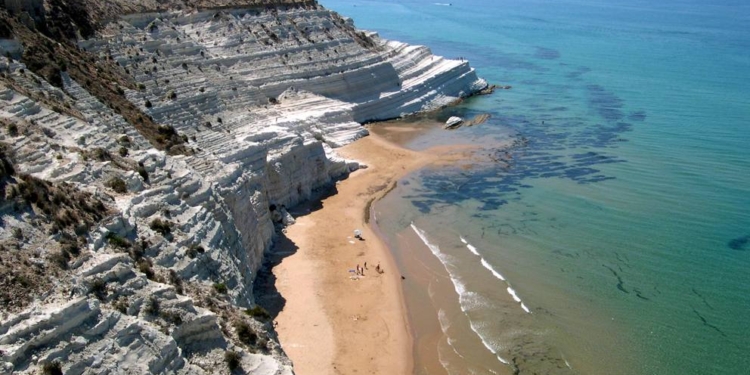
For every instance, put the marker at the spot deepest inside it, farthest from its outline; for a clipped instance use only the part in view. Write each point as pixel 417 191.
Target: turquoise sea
pixel 619 218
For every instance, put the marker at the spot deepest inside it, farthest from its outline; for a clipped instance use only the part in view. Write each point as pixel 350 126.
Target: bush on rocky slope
pixel 60 209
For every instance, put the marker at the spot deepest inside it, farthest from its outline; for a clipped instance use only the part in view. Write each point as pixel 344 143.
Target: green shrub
pixel 60 259
pixel 143 172
pixel 175 280
pixel 136 252
pixel 245 333
pixel 258 313
pixel 118 185
pixel 148 104
pixel 101 154
pixel 52 368
pixel 232 359
pixel 145 267
pixel 152 306
pixel 69 246
pixel 117 241
pixel 172 317
pixel 23 281
pixel 121 305
pixel 160 226
pixel 12 130
pixel 99 288
pixel 220 288
pixel 194 250
pixel 123 151
pixel 167 130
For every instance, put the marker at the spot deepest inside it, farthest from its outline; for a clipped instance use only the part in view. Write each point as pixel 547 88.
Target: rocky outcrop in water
pixel 218 114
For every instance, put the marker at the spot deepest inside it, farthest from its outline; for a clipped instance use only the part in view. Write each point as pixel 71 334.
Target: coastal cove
pixel 334 320
pixel 292 186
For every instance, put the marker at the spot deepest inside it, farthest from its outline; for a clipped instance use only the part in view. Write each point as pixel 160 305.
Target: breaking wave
pixel 494 272
pixel 460 287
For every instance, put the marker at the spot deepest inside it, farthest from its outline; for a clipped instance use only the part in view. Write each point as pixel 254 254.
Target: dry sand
pixel 332 323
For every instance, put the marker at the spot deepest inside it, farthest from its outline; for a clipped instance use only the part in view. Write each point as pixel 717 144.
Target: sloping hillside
pixel 149 150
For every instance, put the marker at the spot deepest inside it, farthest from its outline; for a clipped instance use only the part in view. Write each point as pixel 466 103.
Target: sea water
pixel 613 235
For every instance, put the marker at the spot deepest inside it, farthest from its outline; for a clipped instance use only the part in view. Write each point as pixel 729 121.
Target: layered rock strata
pixel 263 96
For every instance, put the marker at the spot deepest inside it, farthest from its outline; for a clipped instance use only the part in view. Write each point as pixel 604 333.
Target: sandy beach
pixel 333 321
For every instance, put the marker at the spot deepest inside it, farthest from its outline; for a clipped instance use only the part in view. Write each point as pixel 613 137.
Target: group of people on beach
pixel 360 271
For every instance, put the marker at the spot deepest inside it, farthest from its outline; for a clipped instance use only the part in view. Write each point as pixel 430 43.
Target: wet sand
pixel 332 321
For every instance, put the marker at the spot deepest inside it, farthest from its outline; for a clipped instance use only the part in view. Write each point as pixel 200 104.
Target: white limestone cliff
pixel 264 98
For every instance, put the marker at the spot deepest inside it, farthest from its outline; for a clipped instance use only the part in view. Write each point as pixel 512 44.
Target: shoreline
pixel 332 322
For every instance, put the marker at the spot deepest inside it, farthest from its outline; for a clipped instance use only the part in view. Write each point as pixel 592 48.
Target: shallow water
pixel 620 217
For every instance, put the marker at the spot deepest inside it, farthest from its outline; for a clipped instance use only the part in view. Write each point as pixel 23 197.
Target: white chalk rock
pixel 453 122
pixel 250 152
pixel 287 218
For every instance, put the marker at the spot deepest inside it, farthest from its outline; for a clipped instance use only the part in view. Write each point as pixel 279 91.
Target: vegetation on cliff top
pixel 49 50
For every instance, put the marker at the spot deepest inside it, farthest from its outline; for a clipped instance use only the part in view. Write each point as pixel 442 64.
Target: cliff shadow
pixel 266 293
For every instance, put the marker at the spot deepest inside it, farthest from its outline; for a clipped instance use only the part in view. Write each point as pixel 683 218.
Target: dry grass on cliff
pixel 55 218
pixel 48 52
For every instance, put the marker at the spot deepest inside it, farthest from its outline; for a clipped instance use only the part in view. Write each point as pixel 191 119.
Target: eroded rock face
pixel 263 96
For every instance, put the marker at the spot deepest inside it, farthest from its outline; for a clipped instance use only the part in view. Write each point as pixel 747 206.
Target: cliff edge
pixel 148 152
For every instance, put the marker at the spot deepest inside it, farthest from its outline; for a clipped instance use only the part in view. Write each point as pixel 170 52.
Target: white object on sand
pixel 357 233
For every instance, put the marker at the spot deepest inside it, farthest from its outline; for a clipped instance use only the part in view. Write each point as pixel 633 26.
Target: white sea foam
pixel 460 289
pixel 443 362
pixel 518 299
pixel 444 322
pixel 486 264
pixel 486 343
pixel 457 284
pixel 525 308
pixel 494 273
pixel 513 294
pixel 489 267
pixel 473 249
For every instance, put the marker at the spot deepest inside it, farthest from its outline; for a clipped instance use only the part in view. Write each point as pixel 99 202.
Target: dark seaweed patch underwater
pixel 547 147
pixel 739 243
